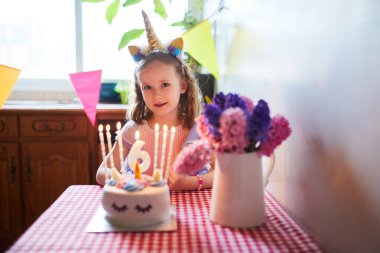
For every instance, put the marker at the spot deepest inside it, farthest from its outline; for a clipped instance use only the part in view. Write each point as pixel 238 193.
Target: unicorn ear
pixel 136 53
pixel 176 47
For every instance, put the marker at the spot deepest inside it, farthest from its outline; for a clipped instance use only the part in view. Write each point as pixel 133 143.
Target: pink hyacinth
pixel 193 157
pixel 233 128
pixel 202 128
pixel 249 103
pixel 279 131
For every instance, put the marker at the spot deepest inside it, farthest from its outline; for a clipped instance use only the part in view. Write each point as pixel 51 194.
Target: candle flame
pixel 118 125
pixel 100 128
pixel 156 127
pixel 172 130
pixel 165 128
pixel 137 135
pixel 108 128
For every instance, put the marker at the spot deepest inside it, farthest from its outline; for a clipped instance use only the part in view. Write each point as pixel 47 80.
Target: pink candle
pixel 137 135
pixel 108 134
pixel 163 151
pixel 172 133
pixel 120 144
pixel 156 133
pixel 101 139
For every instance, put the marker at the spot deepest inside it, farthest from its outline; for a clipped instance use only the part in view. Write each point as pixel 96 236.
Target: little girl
pixel 166 92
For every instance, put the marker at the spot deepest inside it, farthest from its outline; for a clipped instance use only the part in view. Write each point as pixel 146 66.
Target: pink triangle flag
pixel 87 86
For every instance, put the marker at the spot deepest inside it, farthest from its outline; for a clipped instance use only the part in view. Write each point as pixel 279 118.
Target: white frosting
pixel 134 209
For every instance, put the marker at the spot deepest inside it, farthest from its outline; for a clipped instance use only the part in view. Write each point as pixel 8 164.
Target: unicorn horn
pixel 154 42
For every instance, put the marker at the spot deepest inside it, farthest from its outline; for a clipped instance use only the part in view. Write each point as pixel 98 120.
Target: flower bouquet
pixel 240 132
pixel 233 124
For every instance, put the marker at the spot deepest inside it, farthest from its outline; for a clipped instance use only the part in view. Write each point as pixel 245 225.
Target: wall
pixel 316 62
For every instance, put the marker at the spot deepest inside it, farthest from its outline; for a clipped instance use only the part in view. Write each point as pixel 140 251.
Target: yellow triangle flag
pixel 8 78
pixel 199 43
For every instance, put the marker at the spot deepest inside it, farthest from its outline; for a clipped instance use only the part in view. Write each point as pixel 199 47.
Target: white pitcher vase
pixel 238 190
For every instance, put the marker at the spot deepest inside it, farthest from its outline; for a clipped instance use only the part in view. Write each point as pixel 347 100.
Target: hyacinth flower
pixel 258 124
pixel 279 131
pixel 193 158
pixel 233 128
pixel 249 103
pixel 219 100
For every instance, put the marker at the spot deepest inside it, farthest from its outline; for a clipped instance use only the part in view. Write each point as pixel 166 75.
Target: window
pixel 38 37
pixel 48 39
pixel 101 40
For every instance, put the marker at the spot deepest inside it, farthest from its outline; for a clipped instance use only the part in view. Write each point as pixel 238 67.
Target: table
pixel 61 228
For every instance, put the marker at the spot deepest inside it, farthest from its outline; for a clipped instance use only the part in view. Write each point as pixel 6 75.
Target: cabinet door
pixel 48 169
pixel 10 197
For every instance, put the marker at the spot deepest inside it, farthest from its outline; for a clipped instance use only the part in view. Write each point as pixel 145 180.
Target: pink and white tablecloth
pixel 61 228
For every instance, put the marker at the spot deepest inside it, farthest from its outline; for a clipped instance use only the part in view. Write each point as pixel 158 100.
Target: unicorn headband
pixel 154 44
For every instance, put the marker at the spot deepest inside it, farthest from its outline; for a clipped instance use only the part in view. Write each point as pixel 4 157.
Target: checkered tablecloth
pixel 61 228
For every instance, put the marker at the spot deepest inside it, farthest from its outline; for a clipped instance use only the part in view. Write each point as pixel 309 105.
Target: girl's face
pixel 161 87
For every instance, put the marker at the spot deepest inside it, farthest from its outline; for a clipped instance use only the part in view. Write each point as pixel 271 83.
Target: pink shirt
pixel 147 135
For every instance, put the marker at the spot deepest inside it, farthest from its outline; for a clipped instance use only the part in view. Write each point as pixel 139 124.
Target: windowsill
pixel 46 90
pixel 57 105
pixel 50 99
pixel 68 96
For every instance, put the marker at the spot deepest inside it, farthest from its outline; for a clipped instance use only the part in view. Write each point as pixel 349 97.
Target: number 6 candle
pixel 136 154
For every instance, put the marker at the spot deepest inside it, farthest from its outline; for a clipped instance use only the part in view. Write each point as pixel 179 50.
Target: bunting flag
pixel 87 86
pixel 8 78
pixel 199 44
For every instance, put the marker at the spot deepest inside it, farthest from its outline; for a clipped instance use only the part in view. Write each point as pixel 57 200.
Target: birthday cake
pixel 134 202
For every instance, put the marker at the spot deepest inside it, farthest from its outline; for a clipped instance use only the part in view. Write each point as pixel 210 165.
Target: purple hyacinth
pixel 212 113
pixel 234 101
pixel 219 99
pixel 259 122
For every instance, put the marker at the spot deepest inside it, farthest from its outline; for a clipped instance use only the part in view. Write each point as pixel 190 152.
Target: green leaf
pixel 92 1
pixel 131 2
pixel 159 8
pixel 130 35
pixel 112 11
pixel 120 86
pixel 179 23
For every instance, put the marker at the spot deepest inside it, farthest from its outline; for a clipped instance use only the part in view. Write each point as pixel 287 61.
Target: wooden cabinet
pixel 10 194
pixel 42 152
pixel 49 168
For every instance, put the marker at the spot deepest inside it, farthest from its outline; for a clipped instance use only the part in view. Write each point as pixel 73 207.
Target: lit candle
pixel 163 151
pixel 108 134
pixel 136 154
pixel 101 138
pixel 172 133
pixel 121 151
pixel 156 133
pixel 103 149
pixel 137 135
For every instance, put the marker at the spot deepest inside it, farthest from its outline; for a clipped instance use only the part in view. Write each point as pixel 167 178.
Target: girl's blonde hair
pixel 189 102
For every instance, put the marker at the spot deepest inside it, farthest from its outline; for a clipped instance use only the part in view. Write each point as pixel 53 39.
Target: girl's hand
pixel 177 181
